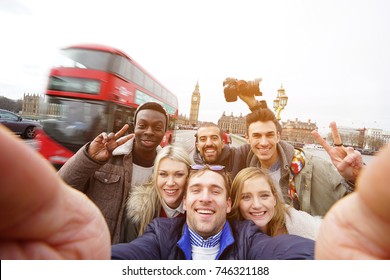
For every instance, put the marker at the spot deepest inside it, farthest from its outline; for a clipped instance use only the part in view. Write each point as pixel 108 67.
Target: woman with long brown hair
pixel 254 197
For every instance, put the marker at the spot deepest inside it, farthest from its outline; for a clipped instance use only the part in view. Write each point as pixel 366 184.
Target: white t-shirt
pixel 275 175
pixel 200 253
pixel 140 175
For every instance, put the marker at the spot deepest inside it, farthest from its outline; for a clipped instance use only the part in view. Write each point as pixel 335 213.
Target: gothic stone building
pixel 34 107
pixel 235 125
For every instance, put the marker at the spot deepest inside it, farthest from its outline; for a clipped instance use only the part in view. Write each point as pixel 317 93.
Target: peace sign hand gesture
pixel 358 225
pixel 102 146
pixel 348 161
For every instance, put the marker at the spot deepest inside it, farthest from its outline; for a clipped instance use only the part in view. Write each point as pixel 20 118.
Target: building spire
pixel 195 103
pixel 197 87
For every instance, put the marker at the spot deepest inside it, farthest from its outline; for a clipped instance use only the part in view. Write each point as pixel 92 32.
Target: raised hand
pixel 358 225
pixel 102 146
pixel 40 216
pixel 249 100
pixel 348 161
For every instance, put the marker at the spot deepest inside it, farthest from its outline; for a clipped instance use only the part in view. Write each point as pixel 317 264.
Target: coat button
pixel 105 180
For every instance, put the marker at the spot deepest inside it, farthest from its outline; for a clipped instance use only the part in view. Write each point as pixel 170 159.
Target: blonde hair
pixel 278 221
pixel 152 207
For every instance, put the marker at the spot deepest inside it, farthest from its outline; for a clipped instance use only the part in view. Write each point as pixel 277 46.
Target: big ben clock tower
pixel 195 102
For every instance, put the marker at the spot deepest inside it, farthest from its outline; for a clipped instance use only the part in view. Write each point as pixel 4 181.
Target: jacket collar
pixel 184 243
pixel 285 154
pixel 140 198
pixel 124 149
pixel 127 148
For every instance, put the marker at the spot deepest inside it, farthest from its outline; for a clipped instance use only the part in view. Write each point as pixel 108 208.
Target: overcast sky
pixel 332 57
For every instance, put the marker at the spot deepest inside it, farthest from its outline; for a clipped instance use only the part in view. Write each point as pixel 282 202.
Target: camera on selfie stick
pixel 234 87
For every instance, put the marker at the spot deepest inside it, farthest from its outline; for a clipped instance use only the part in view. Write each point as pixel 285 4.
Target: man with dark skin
pixel 107 168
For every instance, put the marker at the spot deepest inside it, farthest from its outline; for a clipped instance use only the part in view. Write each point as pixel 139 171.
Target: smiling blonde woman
pixel 162 195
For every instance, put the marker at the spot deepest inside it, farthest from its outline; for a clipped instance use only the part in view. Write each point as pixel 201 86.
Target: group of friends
pixel 124 197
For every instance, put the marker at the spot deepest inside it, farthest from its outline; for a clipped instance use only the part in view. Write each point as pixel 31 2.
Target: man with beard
pixel 107 168
pixel 211 149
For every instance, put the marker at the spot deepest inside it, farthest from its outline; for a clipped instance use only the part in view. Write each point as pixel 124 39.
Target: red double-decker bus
pixel 91 89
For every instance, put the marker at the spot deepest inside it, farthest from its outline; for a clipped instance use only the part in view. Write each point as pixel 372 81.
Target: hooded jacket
pixel 168 239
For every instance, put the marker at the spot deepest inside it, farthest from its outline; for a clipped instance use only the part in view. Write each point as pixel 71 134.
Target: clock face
pixel 195 98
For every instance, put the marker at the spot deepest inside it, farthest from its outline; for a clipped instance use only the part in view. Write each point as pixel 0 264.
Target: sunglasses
pixel 208 167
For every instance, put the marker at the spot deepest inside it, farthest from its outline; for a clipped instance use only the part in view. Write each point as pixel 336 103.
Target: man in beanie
pixel 107 168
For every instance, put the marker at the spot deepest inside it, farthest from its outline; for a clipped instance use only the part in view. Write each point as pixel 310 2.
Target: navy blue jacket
pixel 168 239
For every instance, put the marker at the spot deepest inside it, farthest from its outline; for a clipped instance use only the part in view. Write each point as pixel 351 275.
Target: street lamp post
pixel 280 102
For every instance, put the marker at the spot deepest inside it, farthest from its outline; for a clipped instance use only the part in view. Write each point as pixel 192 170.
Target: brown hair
pixel 199 172
pixel 262 115
pixel 278 221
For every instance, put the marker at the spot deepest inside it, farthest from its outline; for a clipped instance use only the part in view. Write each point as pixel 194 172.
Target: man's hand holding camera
pixel 245 90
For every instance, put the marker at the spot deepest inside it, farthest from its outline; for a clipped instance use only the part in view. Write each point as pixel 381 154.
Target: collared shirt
pixel 185 245
pixel 172 213
pixel 197 240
